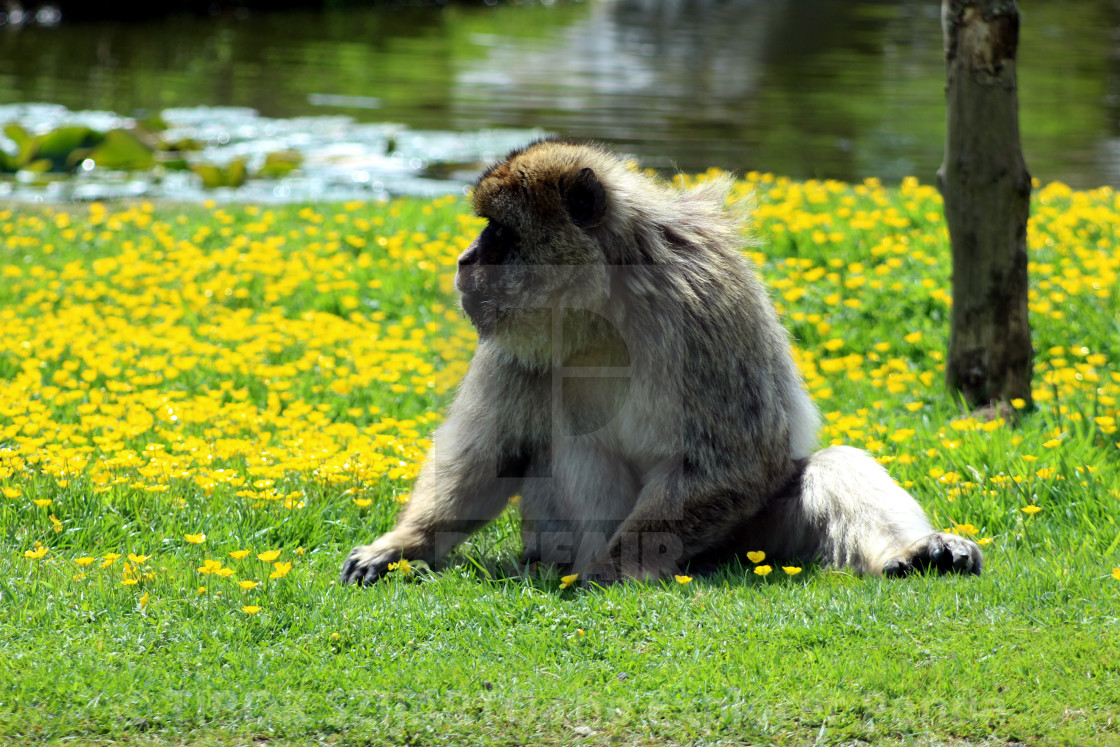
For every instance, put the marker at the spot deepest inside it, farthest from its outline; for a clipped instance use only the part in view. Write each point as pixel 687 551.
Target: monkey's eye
pixel 497 243
pixel 503 233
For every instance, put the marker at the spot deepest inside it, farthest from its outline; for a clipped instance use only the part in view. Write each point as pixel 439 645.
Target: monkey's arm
pixel 471 471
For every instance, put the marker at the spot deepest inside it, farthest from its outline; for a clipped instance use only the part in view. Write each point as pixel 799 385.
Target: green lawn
pixel 186 390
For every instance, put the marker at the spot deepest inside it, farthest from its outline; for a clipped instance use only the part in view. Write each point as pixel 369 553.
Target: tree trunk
pixel 986 188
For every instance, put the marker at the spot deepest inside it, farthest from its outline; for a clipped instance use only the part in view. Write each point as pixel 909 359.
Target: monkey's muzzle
pixel 480 309
pixel 474 304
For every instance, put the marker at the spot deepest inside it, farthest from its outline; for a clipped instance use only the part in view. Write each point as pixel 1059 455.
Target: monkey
pixel 634 385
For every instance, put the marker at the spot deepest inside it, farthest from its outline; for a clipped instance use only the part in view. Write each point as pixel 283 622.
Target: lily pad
pixel 124 151
pixel 280 163
pixel 66 147
pixel 25 148
pixel 213 176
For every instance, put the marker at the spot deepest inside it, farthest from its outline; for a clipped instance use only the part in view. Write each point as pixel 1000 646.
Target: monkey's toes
pixel 364 566
pixel 940 553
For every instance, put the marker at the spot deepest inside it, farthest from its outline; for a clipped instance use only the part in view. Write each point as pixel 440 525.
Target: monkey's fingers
pixel 939 553
pixel 364 566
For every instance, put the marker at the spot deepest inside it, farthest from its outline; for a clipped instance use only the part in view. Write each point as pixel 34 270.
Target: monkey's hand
pixel 940 553
pixel 367 563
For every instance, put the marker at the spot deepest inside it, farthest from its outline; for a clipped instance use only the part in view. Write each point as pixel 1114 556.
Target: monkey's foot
pixel 598 579
pixel 940 553
pixel 366 564
pixel 614 568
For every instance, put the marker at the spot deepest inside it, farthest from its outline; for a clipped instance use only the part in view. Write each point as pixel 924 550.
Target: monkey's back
pixel 717 347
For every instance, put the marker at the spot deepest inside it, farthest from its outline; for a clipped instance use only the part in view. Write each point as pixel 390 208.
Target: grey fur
pixel 634 384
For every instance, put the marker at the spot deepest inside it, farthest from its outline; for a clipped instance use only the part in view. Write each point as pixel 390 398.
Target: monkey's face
pixel 538 253
pixel 492 277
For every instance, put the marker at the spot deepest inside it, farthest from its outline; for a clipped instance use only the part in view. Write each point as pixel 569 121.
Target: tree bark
pixel 986 189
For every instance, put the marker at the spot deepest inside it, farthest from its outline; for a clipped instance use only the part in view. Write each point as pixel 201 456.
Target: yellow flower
pixel 683 579
pixel 239 554
pixel 129 581
pixel 791 570
pixel 269 556
pixel 362 502
pixel 109 559
pixel 1116 573
pixel 144 601
pixel 913 337
pixel 195 539
pixel 42 502
pixel 250 609
pixel 85 561
pixel 1053 443
pixel 281 570
pixel 37 553
pixel 1018 403
pixel 762 570
pixel 56 524
pixel 210 566
pixel 247 584
pixel 202 590
pixel 11 492
pixel 224 572
pixel 1030 509
pixel 138 559
pixel 756 556
pixel 403 566
pixel 566 581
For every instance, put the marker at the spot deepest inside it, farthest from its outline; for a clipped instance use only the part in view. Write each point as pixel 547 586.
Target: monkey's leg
pixel 847 512
pixel 570 509
pixel 460 489
pixel 675 518
pixel 866 521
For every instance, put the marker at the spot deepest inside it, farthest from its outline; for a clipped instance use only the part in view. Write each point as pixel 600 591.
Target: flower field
pixel 203 408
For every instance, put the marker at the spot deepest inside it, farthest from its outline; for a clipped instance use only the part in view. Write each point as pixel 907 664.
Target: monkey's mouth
pixel 481 310
pixel 474 304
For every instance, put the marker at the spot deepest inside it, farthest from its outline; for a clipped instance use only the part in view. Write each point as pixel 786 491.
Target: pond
pixel 413 100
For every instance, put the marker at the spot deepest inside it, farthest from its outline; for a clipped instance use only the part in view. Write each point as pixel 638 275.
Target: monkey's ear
pixel 585 198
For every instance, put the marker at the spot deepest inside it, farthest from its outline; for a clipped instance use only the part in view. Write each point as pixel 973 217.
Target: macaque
pixel 634 386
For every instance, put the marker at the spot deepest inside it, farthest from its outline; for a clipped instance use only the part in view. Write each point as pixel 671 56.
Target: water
pixel 809 88
pixel 342 159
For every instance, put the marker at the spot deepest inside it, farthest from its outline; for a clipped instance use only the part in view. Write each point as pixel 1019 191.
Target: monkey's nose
pixel 470 256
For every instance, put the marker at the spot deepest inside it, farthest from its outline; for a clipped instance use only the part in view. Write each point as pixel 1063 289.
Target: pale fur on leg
pixel 864 517
pixel 845 511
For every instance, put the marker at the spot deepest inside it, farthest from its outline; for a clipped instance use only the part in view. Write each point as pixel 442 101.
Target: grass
pixel 186 390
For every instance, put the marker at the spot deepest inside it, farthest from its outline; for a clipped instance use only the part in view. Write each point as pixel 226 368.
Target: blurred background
pixel 378 97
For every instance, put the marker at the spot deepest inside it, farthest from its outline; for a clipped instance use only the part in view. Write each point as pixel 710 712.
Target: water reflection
pixel 809 88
